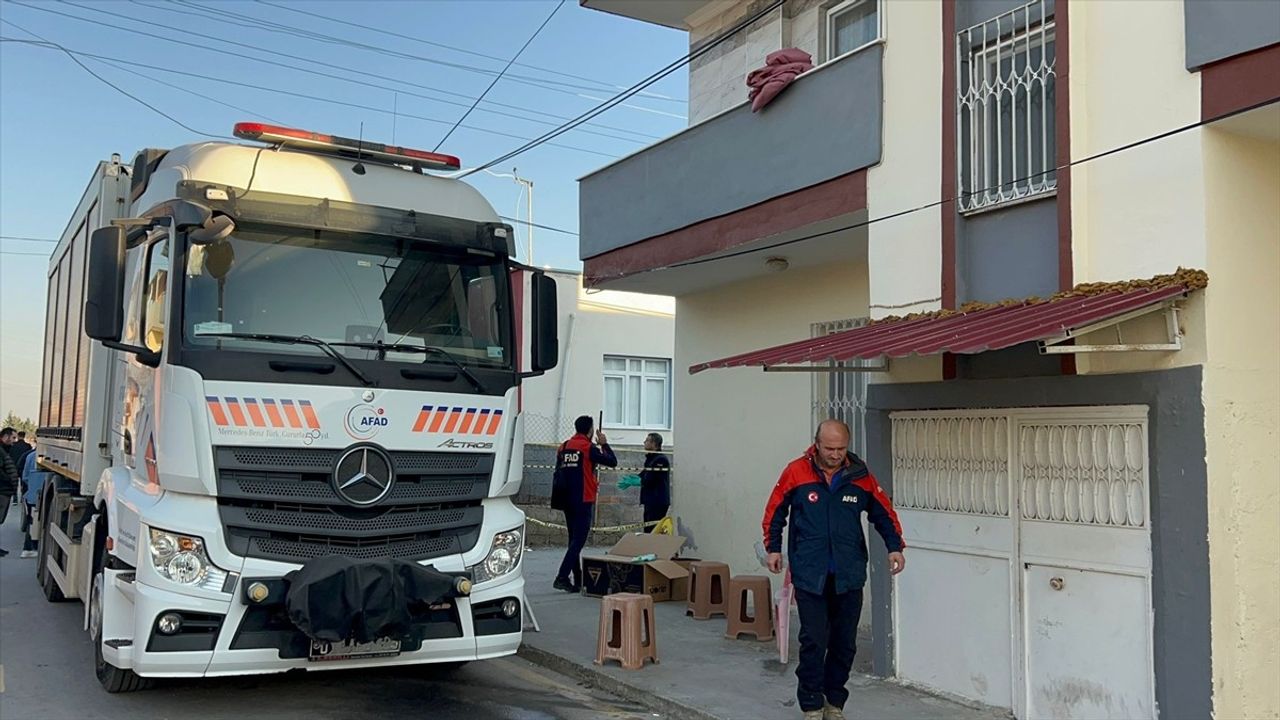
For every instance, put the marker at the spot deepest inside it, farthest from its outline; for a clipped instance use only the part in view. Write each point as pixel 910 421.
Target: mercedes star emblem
pixel 363 475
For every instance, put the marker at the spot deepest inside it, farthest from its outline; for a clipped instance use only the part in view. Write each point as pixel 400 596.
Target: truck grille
pixel 279 504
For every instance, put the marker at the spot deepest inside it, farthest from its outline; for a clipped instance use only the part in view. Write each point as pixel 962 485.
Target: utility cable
pixel 498 77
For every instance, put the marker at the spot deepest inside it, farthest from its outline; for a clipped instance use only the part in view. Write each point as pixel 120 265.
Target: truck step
pixel 119 643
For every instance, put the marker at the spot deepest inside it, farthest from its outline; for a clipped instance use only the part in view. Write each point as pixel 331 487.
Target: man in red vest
pixel 574 491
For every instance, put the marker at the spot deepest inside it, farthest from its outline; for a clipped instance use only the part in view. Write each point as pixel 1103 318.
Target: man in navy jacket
pixel 574 491
pixel 825 493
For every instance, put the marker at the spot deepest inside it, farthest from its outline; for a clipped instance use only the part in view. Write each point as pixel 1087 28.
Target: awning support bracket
pixel 1053 346
pixel 881 364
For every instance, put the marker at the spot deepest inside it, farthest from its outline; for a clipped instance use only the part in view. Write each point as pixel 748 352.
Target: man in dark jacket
pixel 9 479
pixel 19 449
pixel 655 482
pixel 574 491
pixel 825 493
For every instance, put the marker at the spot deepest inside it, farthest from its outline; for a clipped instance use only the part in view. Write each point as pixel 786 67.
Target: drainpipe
pixel 564 374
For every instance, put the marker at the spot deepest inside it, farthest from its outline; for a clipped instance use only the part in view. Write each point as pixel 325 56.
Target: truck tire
pixel 48 585
pixel 113 679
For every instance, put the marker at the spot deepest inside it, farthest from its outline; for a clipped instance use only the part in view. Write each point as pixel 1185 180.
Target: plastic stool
pixel 761 625
pixel 707 586
pixel 628 632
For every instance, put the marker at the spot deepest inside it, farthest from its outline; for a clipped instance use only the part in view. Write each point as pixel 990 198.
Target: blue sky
pixel 57 121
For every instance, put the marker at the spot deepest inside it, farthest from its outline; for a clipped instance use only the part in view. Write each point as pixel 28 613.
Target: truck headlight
pixel 503 557
pixel 182 559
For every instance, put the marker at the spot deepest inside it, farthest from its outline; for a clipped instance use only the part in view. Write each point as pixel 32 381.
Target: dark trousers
pixel 28 517
pixel 577 518
pixel 828 636
pixel 654 513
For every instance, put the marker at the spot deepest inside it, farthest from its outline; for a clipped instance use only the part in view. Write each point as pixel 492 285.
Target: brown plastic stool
pixel 628 633
pixel 761 625
pixel 707 586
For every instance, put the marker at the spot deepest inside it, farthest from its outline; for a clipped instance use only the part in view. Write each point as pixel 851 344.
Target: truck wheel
pixel 113 679
pixel 48 585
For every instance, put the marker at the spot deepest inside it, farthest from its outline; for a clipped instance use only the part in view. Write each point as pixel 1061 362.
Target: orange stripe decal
pixel 495 422
pixel 215 409
pixel 291 412
pixel 237 413
pixel 255 412
pixel 441 414
pixel 467 420
pixel 480 424
pixel 309 413
pixel 453 420
pixel 273 413
pixel 423 416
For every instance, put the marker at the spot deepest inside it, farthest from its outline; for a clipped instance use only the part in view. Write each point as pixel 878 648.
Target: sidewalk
pixel 702 675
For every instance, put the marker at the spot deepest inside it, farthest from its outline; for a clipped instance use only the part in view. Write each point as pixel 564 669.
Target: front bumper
pixel 243 644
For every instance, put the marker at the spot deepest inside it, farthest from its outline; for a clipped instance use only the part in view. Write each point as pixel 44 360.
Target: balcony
pixel 738 177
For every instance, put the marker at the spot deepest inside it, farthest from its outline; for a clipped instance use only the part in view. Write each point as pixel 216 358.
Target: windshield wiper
pixel 384 348
pixel 325 347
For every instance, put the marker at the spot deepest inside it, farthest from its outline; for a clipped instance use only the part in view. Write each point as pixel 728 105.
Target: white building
pixel 1087 485
pixel 616 352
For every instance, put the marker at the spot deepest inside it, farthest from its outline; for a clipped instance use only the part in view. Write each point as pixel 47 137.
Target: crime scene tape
pixel 602 469
pixel 665 526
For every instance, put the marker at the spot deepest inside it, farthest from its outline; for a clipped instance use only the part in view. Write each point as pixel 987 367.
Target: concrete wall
pixel 604 323
pixel 826 124
pixel 1219 30
pixel 1139 212
pixel 718 78
pixel 1181 502
pixel 1242 416
pixel 1008 253
pixel 746 424
pixel 905 253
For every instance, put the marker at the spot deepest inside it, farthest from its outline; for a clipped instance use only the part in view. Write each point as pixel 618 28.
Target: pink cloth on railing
pixel 780 68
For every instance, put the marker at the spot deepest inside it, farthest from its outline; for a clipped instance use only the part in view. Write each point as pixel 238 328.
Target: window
pixel 842 395
pixel 637 393
pixel 156 290
pixel 851 25
pixel 1006 108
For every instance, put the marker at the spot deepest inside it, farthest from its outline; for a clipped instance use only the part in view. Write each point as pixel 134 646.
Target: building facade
pixel 1031 251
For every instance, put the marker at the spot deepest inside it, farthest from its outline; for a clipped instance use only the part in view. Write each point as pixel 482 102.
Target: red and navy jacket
pixel 576 461
pixel 826 523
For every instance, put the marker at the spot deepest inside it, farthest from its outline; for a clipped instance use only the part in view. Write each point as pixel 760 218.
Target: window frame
pixel 644 375
pixel 831 12
pixel 989 190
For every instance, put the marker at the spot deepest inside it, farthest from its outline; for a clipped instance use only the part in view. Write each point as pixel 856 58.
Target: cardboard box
pixel 617 571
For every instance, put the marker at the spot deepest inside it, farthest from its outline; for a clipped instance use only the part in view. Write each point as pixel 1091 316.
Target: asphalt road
pixel 46 672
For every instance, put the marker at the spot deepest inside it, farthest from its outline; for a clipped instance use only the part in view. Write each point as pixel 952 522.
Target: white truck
pixel 281 406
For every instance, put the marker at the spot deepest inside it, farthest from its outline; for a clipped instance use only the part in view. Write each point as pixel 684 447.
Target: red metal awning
pixel 965 333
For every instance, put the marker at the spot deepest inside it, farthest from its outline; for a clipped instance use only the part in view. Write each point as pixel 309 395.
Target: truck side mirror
pixel 104 296
pixel 546 336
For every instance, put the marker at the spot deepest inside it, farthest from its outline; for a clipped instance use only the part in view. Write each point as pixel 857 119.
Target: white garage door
pixel 1030 559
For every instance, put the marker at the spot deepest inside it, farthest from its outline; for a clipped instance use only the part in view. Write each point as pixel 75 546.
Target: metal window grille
pixel 1005 110
pixel 842 395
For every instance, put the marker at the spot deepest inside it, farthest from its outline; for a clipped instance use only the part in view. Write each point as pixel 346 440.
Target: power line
pixel 239 18
pixel 279 91
pixel 620 97
pixel 27 239
pixel 938 203
pixel 276 63
pixel 540 227
pixel 390 33
pixel 28 254
pixel 498 77
pixel 126 93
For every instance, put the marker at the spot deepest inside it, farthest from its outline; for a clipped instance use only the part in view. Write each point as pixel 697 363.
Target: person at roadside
pixel 9 479
pixel 33 479
pixel 655 482
pixel 18 451
pixel 574 491
pixel 824 493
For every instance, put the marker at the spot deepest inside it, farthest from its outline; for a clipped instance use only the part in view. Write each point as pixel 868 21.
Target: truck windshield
pixel 370 297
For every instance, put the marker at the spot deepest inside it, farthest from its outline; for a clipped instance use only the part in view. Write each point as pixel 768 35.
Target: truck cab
pixel 303 430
